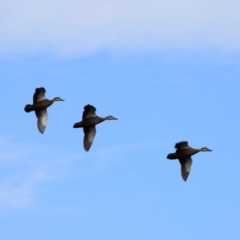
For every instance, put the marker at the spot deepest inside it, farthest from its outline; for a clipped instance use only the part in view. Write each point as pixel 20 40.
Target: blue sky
pixel 168 71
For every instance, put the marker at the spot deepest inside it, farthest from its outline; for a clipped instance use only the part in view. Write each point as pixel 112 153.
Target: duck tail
pixel 171 156
pixel 28 108
pixel 77 125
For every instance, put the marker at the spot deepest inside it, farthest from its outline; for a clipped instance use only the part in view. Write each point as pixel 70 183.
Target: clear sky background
pixel 169 71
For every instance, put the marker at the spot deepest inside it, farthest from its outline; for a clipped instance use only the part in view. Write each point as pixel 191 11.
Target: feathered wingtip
pixel 28 108
pixel 41 89
pixel 181 144
pixel 38 92
pixel 88 107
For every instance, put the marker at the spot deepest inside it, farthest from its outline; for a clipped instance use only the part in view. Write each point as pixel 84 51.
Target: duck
pixel 40 105
pixel 183 154
pixel 88 123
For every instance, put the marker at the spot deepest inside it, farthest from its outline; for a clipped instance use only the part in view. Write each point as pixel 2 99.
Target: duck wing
pixel 186 164
pixel 89 111
pixel 182 145
pixel 39 94
pixel 42 117
pixel 89 134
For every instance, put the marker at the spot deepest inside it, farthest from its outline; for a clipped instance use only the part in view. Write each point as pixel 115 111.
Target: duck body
pixel 88 123
pixel 183 154
pixel 40 105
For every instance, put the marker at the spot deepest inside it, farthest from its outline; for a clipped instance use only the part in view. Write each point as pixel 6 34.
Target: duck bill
pixel 115 118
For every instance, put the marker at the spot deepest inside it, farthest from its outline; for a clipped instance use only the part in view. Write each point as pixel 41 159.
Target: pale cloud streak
pixel 22 172
pixel 82 27
pixel 19 194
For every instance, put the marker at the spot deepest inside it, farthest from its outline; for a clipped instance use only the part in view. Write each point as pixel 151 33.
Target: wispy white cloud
pixel 76 27
pixel 23 173
pixel 18 194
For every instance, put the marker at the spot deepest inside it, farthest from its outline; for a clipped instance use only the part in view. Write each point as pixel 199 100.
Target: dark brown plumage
pixel 183 154
pixel 89 120
pixel 40 105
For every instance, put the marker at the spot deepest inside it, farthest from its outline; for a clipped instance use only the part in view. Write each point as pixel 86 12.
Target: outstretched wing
pixel 42 116
pixel 182 145
pixel 89 134
pixel 39 94
pixel 186 164
pixel 89 111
